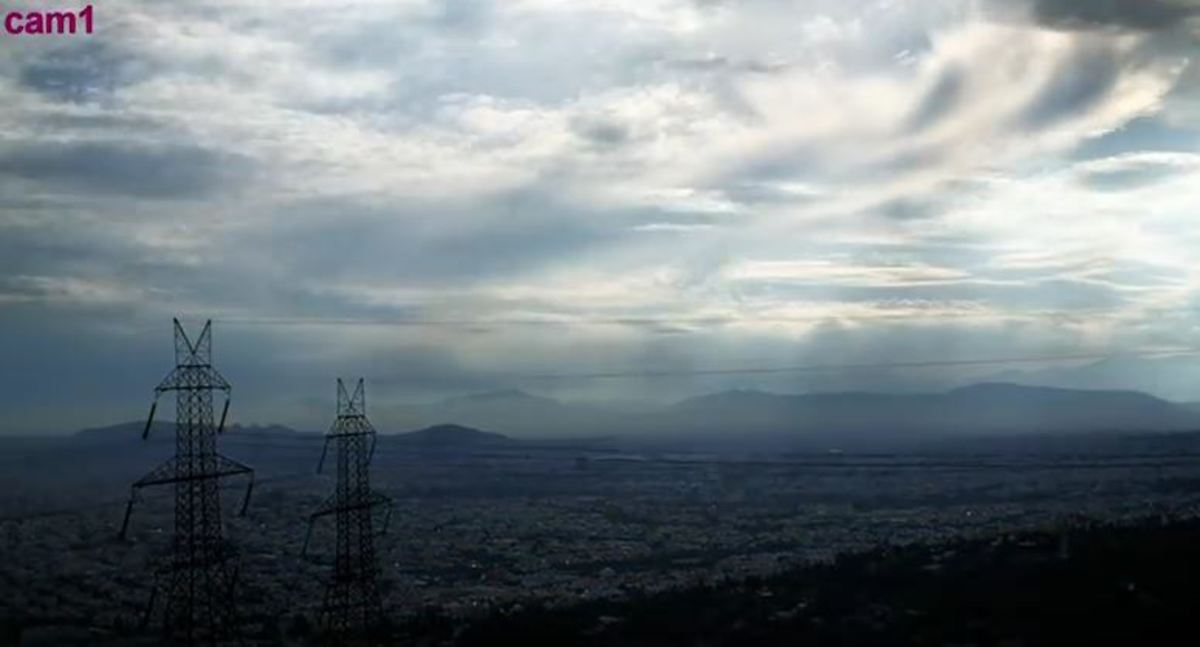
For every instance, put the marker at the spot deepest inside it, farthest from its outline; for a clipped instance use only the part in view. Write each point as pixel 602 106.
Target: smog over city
pixel 599 322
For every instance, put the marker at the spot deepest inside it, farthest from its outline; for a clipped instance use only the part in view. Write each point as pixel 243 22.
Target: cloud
pixel 88 72
pixel 601 132
pixel 939 101
pixel 140 171
pixel 1083 78
pixel 824 178
pixel 1148 15
pixel 905 209
pixel 1137 170
pixel 66 290
pixel 1150 133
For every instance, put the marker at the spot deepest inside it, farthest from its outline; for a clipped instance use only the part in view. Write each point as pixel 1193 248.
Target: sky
pixel 452 196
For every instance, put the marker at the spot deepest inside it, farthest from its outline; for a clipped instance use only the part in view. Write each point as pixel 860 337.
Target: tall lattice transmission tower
pixel 353 605
pixel 199 576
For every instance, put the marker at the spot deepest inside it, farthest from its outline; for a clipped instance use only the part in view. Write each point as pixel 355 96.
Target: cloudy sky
pixel 486 192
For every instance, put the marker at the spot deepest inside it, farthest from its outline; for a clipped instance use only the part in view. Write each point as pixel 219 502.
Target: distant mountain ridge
pixel 446 435
pixel 132 428
pixel 773 420
pixel 502 396
pixel 981 409
pixel 517 413
pixel 441 434
pixel 1173 377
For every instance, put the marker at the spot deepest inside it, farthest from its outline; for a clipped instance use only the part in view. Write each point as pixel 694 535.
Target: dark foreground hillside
pixel 1134 584
pixel 1127 584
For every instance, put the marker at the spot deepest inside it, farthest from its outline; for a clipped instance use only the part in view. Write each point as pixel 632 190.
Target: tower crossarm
pixel 331 505
pixel 168 472
pixel 193 377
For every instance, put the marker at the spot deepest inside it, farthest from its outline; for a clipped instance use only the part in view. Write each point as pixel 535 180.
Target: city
pixel 478 530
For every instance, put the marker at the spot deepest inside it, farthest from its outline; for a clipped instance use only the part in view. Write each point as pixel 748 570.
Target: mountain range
pixel 771 420
pixel 982 410
pixel 1172 377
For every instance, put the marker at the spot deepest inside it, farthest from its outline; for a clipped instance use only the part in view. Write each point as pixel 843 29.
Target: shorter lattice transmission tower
pixel 199 576
pixel 353 606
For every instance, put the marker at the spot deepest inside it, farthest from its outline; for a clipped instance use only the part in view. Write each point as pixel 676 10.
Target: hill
pixel 1172 377
pixel 125 432
pixel 448 435
pixel 519 414
pixel 993 409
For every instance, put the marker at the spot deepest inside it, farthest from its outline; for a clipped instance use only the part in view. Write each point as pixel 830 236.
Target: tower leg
pixel 307 537
pixel 246 498
pixel 387 519
pixel 149 606
pixel 324 452
pixel 128 513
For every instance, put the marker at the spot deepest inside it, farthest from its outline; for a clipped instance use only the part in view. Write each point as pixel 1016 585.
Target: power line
pixel 720 320
pixel 569 321
pixel 824 368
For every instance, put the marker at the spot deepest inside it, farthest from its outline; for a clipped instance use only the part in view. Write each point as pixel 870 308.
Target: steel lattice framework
pixel 200 574
pixel 353 605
